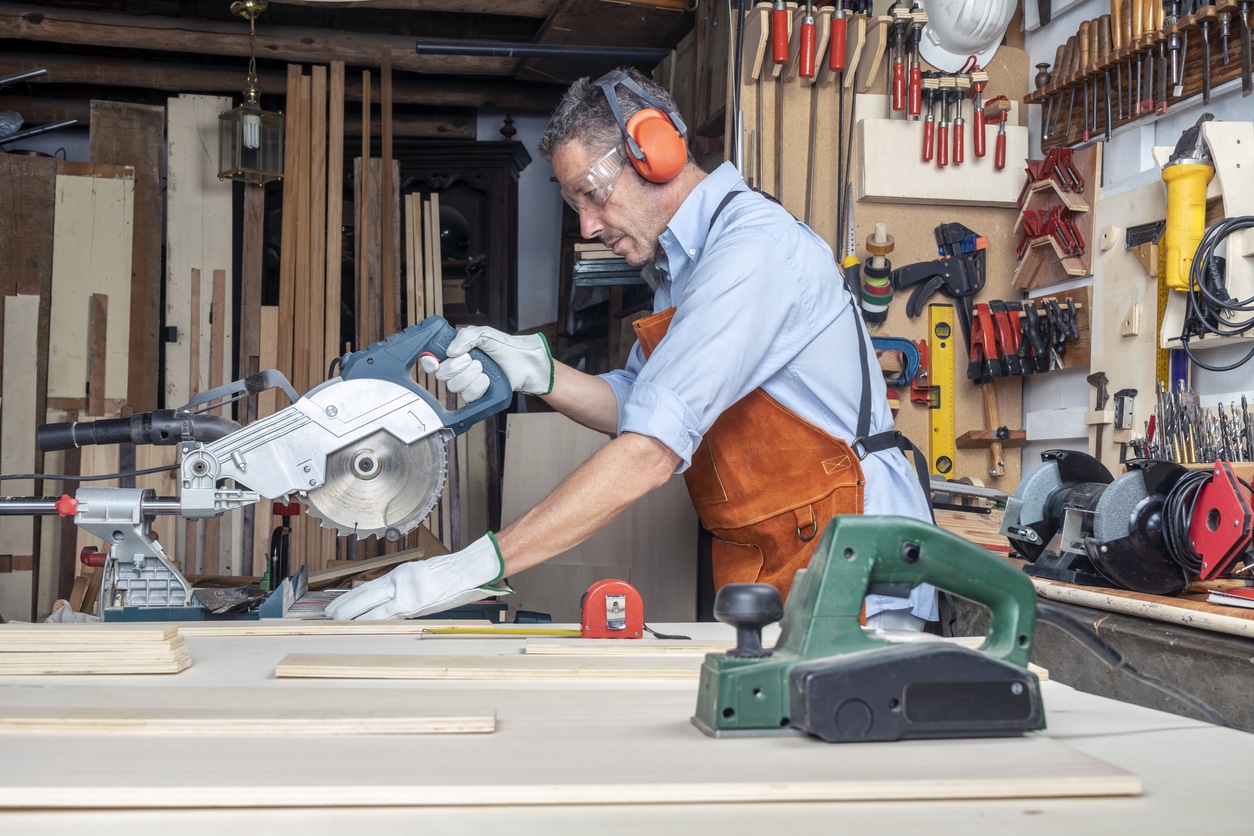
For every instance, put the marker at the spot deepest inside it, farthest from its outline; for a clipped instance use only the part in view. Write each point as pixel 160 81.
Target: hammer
pixel 1099 381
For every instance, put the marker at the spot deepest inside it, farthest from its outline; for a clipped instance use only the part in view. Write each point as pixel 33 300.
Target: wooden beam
pixel 187 78
pixel 289 43
pixel 39 111
pixel 514 8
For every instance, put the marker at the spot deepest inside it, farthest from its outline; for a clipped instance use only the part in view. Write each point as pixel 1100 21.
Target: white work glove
pixel 427 586
pixel 526 361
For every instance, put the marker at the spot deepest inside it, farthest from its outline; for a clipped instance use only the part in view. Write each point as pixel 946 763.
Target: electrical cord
pixel 1207 312
pixel 1177 514
pixel 63 477
pixel 1097 646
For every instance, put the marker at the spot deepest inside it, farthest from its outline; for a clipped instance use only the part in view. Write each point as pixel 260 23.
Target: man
pixel 750 379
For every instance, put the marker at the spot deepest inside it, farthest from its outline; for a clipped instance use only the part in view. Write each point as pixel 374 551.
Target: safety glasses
pixel 591 189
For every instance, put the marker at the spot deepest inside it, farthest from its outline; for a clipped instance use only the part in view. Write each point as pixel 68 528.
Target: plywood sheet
pixel 134 135
pixel 17 418
pixel 653 544
pixel 198 231
pixel 91 255
pixel 649 753
pixel 166 711
pixel 518 667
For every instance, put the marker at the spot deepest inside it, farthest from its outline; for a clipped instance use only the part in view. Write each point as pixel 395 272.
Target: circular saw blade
pixel 379 486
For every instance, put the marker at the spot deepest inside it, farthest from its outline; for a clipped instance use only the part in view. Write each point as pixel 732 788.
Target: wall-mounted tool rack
pixel 1135 36
pixel 1044 262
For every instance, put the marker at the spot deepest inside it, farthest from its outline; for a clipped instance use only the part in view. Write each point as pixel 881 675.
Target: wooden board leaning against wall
pixel 973 194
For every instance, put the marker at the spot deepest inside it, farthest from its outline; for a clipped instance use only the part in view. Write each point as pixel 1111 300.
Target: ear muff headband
pixel 654 137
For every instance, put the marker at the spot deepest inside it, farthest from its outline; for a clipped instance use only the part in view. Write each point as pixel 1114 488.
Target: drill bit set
pixel 1182 430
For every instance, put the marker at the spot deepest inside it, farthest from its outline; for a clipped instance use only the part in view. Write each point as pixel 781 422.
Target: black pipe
pixel 42 129
pixel 22 76
pixel 498 49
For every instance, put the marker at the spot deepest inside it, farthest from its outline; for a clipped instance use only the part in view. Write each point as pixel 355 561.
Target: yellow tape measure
pixel 943 447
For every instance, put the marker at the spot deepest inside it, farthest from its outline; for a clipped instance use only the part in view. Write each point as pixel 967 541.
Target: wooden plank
pixel 97 350
pixel 55 665
pixel 91 254
pixel 324 578
pixel 18 418
pixel 362 234
pixel 217 559
pixel 520 667
pixel 134 135
pixel 287 259
pixel 134 72
pixel 318 229
pixel 204 37
pixel 389 289
pixel 333 342
pixel 267 402
pixel 1233 621
pixel 252 268
pixel 199 213
pixel 255 712
pixel 193 539
pixel 301 152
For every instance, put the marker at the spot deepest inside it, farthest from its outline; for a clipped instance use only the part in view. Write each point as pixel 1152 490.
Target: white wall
pixel 539 220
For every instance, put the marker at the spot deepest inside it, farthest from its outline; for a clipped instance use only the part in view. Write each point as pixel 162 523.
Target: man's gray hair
pixel 584 114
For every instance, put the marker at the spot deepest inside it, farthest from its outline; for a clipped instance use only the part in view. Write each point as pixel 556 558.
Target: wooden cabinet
pixel 478 187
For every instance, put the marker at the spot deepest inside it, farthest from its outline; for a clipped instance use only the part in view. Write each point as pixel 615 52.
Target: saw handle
pixel 393 359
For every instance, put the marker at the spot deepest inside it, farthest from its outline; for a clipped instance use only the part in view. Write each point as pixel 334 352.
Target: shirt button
pixel 692 252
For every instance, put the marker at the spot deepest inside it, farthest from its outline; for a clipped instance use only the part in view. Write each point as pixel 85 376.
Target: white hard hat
pixel 958 29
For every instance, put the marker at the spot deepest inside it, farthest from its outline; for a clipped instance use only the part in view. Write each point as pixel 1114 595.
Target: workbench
pixel 624 735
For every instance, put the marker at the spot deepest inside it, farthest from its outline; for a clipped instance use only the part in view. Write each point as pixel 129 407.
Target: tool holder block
pixel 1229 194
pixel 1045 263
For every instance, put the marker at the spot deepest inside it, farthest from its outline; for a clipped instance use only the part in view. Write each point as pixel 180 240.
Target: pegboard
pixel 791 148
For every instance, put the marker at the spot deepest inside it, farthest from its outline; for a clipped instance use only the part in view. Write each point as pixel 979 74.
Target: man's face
pixel 613 201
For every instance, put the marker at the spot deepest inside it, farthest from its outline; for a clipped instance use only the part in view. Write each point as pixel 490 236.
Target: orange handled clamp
pixel 996 110
pixel 809 35
pixel 779 32
pixel 840 28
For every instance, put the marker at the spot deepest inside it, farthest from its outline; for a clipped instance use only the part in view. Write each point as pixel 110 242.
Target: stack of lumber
pixel 36 649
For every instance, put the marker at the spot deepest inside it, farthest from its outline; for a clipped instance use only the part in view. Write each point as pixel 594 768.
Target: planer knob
pixel 748 607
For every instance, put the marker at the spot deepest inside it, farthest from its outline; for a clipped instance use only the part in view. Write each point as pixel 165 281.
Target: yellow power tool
pixel 1187 173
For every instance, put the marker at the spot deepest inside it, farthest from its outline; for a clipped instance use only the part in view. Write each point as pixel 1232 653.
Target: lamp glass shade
pixel 250 145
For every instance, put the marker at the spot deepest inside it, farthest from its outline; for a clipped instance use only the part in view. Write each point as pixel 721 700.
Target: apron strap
pixel 868 443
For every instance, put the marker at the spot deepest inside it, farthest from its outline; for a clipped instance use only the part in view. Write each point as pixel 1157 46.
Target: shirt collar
pixel 685 235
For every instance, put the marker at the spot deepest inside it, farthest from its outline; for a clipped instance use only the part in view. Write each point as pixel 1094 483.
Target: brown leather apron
pixel 765 482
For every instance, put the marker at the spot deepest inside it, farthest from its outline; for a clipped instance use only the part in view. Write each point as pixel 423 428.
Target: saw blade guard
pixel 392 359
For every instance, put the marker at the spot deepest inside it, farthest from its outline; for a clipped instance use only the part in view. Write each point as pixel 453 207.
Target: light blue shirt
pixel 759 302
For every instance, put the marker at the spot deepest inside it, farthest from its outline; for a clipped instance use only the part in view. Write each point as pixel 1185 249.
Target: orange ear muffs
pixel 662 146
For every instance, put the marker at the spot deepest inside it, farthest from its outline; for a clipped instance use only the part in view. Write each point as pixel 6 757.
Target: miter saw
pixel 1076 523
pixel 364 452
pixel 830 678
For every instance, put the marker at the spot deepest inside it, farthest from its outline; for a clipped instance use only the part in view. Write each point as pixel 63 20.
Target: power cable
pixel 1098 646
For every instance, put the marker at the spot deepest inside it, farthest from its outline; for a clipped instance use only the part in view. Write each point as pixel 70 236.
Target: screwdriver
pixel 808 41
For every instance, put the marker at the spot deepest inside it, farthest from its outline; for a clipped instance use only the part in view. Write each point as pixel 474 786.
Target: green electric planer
pixel 828 677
